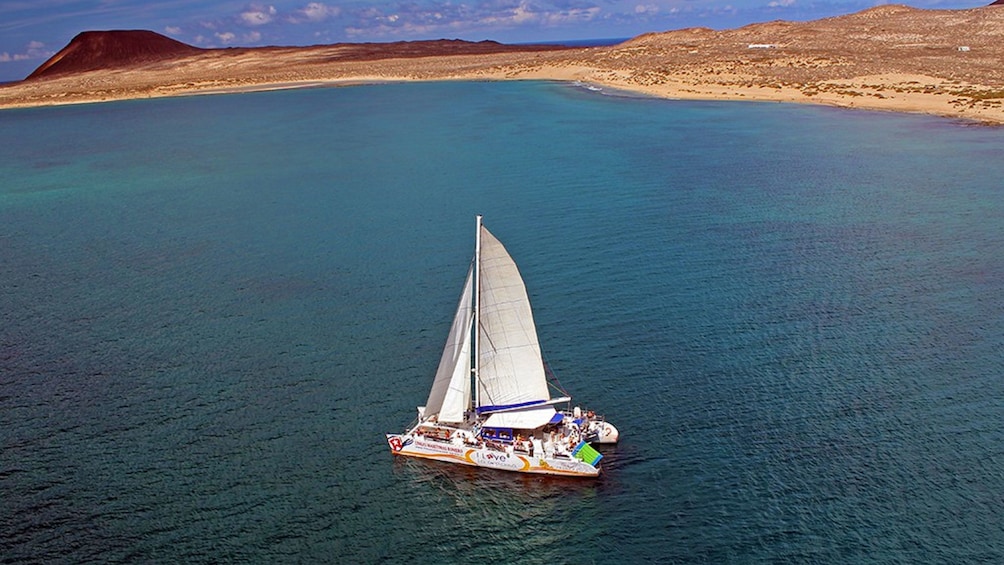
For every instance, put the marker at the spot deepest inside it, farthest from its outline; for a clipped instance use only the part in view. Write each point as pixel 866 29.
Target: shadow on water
pixel 487 514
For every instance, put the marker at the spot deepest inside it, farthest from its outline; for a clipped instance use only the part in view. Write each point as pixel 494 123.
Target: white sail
pixel 450 396
pixel 511 371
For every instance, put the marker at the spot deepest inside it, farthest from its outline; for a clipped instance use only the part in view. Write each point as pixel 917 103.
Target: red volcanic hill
pixel 94 50
pixel 102 50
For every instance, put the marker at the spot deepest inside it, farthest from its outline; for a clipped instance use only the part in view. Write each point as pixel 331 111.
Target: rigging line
pixel 488 337
pixel 552 378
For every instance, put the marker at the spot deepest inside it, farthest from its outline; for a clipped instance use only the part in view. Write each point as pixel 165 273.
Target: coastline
pixel 888 58
pixel 891 93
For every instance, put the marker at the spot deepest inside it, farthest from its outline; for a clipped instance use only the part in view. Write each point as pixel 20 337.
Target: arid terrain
pixel 892 57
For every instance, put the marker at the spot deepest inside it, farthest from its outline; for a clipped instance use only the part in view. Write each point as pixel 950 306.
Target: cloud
pixel 256 15
pixel 315 12
pixel 571 16
pixel 228 38
pixel 444 16
pixel 34 50
pixel 173 30
pixel 780 3
pixel 511 15
pixel 526 13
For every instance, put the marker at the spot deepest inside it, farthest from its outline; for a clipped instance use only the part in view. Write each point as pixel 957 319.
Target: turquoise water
pixel 213 308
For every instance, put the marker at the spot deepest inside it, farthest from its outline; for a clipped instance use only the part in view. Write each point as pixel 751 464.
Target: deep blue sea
pixel 212 308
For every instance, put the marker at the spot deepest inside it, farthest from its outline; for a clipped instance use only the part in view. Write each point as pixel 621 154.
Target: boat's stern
pixel 606 433
pixel 398 442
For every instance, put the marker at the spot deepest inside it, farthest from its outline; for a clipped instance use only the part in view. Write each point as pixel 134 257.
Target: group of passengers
pixel 558 439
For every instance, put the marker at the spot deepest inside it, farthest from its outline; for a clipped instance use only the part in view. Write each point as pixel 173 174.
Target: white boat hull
pixel 460 453
pixel 606 433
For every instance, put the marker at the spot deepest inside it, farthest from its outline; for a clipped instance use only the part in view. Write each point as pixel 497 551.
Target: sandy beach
pixel 893 58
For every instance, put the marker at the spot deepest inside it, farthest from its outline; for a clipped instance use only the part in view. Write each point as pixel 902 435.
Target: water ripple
pixel 791 313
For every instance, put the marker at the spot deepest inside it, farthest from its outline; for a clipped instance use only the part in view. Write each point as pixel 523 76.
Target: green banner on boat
pixel 585 453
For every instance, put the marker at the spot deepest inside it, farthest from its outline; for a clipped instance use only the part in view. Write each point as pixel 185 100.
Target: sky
pixel 31 31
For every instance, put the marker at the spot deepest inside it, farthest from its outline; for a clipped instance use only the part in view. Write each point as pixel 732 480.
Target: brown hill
pixel 99 50
pixel 963 46
pixel 107 50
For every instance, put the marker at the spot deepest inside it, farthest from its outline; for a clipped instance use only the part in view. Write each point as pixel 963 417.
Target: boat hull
pixel 606 433
pixel 459 453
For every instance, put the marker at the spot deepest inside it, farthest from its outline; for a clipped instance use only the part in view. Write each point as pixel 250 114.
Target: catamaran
pixel 490 403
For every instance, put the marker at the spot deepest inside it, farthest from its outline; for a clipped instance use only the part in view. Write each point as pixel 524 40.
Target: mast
pixel 477 310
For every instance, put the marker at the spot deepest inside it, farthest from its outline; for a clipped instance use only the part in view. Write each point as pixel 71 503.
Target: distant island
pixel 891 57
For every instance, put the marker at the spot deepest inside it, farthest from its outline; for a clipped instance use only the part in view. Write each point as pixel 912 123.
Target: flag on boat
pixel 585 453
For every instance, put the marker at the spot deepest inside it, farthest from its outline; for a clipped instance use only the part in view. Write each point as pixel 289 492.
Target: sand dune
pixel 944 62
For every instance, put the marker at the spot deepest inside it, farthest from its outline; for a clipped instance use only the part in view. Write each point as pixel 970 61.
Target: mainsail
pixel 451 391
pixel 511 371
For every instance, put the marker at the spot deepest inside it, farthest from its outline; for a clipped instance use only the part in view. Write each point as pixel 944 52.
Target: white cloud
pixel 35 50
pixel 226 37
pixel 525 13
pixel 570 16
pixel 522 13
pixel 173 30
pixel 646 9
pixel 257 15
pixel 451 17
pixel 315 12
pixel 780 3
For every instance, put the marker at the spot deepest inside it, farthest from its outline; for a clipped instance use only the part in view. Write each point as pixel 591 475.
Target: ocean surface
pixel 212 308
